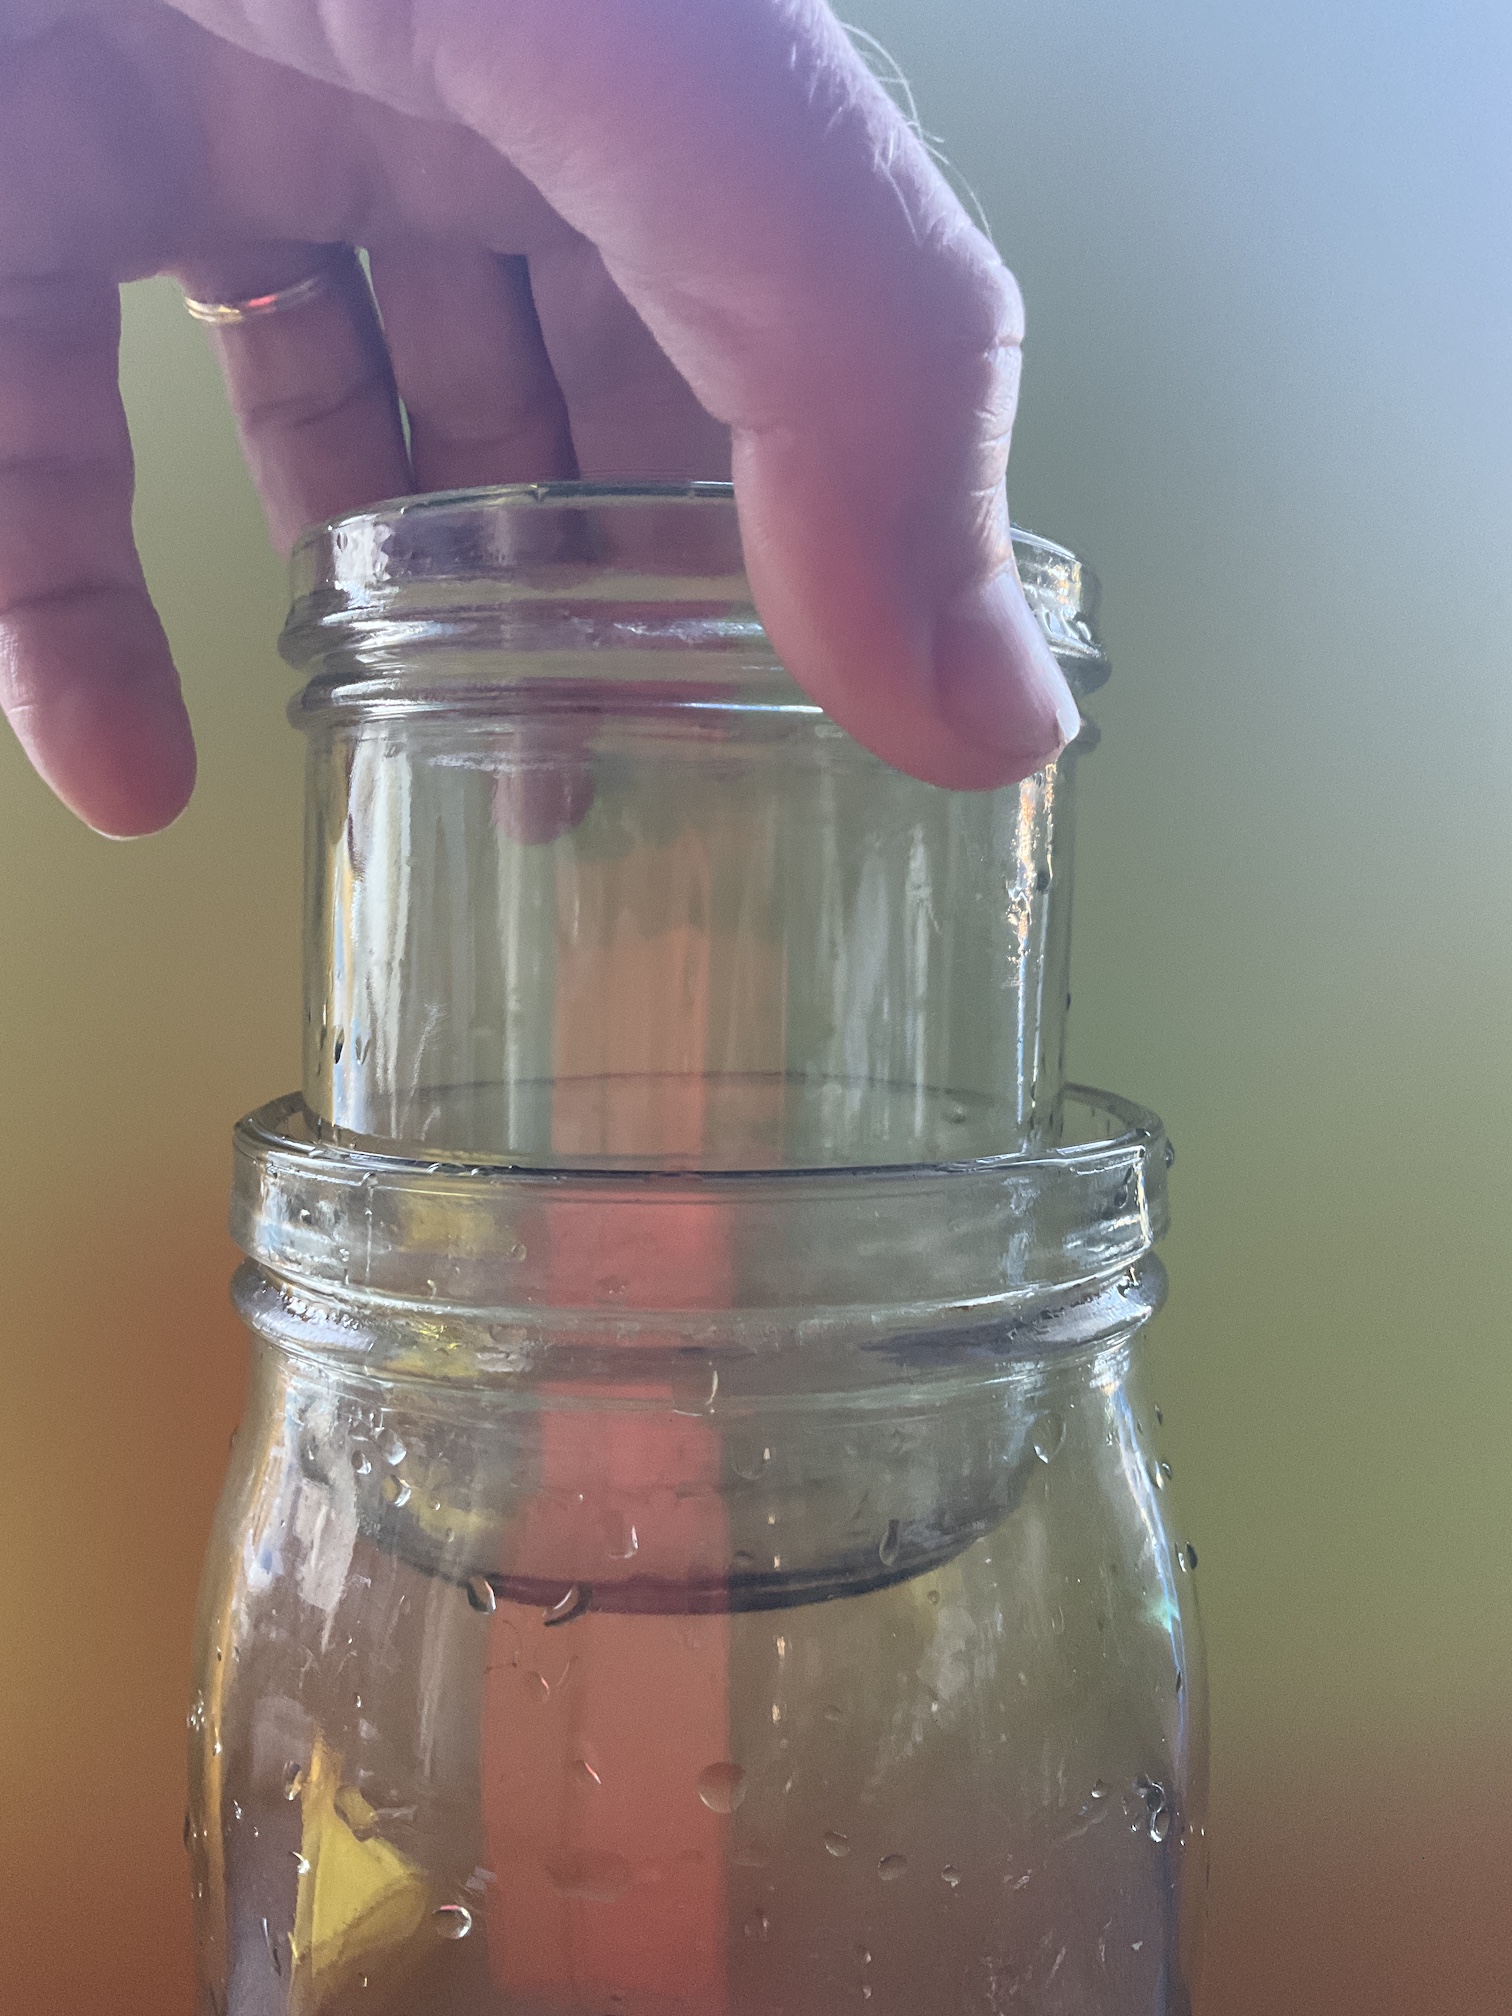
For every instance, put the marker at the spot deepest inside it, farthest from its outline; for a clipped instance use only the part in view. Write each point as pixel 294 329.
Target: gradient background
pixel 1268 260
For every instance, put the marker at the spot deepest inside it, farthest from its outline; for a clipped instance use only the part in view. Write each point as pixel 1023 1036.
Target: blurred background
pixel 1268 260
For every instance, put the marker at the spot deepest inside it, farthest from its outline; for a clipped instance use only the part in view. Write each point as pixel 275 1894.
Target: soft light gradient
pixel 1268 259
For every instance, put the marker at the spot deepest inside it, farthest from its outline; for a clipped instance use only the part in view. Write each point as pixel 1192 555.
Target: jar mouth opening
pixel 438 562
pixel 962 1237
pixel 1097 1126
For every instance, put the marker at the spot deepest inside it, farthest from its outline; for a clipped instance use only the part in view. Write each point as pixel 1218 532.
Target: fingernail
pixel 996 677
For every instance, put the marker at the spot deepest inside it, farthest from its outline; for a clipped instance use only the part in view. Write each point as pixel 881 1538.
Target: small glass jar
pixel 589 876
pixel 664 1592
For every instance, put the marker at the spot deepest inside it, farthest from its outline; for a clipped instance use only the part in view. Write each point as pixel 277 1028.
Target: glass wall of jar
pixel 713 1594
pixel 590 879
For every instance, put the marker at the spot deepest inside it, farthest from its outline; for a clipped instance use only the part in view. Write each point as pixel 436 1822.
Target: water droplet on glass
pixel 597 1875
pixel 293 1781
pixel 950 1875
pixel 188 1833
pixel 721 1787
pixel 1188 1557
pixel 626 1545
pixel 536 1685
pixel 1160 1823
pixel 890 1545
pixel 451 1921
pixel 612 1287
pixel 572 1602
pixel 932 1598
pixel 480 1594
pixel 1162 1476
pixel 301 1863
pixel 1159 1418
pixel 891 1867
pixel 391 1447
pixel 955 1112
pixel 757 1925
pixel 394 1491
pixel 863 1956
pixel 516 1252
pixel 865 1992
pixel 748 1464
pixel 236 1811
pixel 362 1463
pixel 834 1713
pixel 1100 1788
pixel 836 1844
pixel 585 1774
pixel 694 1387
pixel 1049 1434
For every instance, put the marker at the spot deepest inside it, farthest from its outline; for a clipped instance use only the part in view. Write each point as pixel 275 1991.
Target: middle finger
pixel 483 403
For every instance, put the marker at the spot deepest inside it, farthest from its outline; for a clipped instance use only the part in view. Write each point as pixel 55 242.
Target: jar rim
pixel 962 1236
pixel 431 560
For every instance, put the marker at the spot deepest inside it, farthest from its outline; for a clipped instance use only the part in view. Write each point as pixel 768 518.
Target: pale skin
pixel 608 237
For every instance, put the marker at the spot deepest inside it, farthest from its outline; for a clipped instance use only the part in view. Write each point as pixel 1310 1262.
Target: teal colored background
pixel 1268 259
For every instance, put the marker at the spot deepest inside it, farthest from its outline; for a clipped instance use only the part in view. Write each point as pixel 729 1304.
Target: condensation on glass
pixel 698 1594
pixel 547 740
pixel 697 1544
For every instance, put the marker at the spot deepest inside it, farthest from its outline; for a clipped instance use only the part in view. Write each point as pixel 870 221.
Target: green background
pixel 1266 262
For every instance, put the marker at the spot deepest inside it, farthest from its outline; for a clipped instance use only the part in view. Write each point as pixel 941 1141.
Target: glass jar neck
pixel 811 1332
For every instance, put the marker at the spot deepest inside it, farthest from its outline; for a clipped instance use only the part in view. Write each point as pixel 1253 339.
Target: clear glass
pixel 591 880
pixel 695 1546
pixel 657 1592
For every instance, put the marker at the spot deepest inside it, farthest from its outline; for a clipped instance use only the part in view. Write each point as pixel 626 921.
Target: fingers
pixel 483 403
pixel 310 386
pixel 633 414
pixel 86 676
pixel 786 239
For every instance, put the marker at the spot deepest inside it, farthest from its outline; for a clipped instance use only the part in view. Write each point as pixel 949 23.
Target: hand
pixel 607 237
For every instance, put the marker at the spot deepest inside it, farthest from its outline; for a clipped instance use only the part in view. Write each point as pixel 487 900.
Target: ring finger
pixel 309 380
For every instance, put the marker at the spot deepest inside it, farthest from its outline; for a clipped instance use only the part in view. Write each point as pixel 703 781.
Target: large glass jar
pixel 650 1593
pixel 694 1547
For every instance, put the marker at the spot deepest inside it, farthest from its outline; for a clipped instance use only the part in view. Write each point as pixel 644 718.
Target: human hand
pixel 607 237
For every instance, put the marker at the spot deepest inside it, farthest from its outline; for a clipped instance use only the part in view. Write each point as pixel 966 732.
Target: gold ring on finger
pixel 226 314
